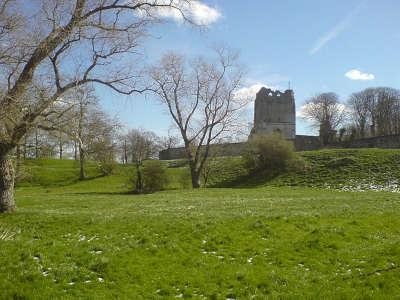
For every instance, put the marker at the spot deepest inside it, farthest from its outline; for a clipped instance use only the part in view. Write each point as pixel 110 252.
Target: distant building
pixel 275 111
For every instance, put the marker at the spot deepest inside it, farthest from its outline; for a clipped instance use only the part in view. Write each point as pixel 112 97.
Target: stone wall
pixel 387 141
pixel 232 149
pixel 301 143
pixel 307 143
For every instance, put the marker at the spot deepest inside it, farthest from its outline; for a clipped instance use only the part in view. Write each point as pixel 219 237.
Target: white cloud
pixel 358 75
pixel 250 92
pixel 335 31
pixel 195 10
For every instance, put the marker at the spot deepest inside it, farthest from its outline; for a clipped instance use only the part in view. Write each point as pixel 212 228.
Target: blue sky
pixel 311 43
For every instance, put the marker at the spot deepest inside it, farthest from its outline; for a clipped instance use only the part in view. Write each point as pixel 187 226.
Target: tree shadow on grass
pixel 102 193
pixel 253 179
pixel 60 183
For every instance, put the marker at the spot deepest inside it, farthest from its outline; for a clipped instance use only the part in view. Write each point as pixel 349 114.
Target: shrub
pixel 154 176
pixel 106 168
pixel 269 152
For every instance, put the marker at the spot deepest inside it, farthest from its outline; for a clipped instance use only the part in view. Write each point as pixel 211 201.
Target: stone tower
pixel 275 111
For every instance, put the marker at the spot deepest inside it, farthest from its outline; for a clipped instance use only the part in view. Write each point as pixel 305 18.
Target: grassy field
pixel 91 240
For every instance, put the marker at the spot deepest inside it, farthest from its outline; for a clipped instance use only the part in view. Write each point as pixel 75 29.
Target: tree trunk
pixel 195 174
pixel 75 151
pixel 60 146
pixel 125 153
pixel 139 179
pixel 36 144
pixel 25 146
pixel 82 174
pixel 7 203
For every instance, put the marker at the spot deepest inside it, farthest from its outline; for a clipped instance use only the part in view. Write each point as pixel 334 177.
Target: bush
pixel 106 168
pixel 154 176
pixel 269 152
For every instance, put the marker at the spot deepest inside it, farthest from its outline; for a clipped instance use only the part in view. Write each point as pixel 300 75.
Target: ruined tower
pixel 275 111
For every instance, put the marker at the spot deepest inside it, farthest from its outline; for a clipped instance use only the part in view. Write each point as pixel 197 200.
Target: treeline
pixel 375 112
pixel 368 113
pixel 79 129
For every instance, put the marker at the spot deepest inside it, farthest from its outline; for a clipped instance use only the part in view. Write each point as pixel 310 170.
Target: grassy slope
pixel 45 172
pixel 327 168
pixel 346 167
pixel 217 243
pixel 341 168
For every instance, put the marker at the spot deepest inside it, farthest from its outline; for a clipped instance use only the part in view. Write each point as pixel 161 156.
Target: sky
pixel 340 46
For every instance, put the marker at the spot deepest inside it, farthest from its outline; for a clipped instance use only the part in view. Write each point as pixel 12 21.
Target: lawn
pixel 86 240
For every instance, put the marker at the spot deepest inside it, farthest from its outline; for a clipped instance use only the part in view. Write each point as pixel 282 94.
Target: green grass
pixel 346 168
pixel 91 240
pixel 360 169
pixel 46 172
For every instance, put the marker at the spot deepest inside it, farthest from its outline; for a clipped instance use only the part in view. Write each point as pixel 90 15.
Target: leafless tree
pixel 200 96
pixel 58 45
pixel 142 145
pixel 326 112
pixel 360 108
pixel 376 111
pixel 92 130
pixel 170 141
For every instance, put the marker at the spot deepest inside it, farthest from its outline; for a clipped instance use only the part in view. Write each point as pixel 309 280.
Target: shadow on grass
pixel 254 179
pixel 102 193
pixel 55 184
pixel 124 193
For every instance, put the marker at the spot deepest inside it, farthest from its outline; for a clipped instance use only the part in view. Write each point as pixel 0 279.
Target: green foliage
pixel 271 153
pixel 155 176
pixel 106 168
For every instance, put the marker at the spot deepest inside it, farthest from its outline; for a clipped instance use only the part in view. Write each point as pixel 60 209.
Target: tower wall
pixel 275 111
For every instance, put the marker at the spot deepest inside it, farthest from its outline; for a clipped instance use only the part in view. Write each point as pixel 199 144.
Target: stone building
pixel 275 111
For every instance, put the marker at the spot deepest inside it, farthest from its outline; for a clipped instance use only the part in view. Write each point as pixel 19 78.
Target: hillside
pixel 51 173
pixel 344 169
pixel 347 169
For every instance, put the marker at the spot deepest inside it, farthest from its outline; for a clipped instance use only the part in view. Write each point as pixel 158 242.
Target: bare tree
pixel 326 112
pixel 376 111
pixel 92 130
pixel 59 45
pixel 358 104
pixel 170 141
pixel 142 145
pixel 82 129
pixel 201 98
